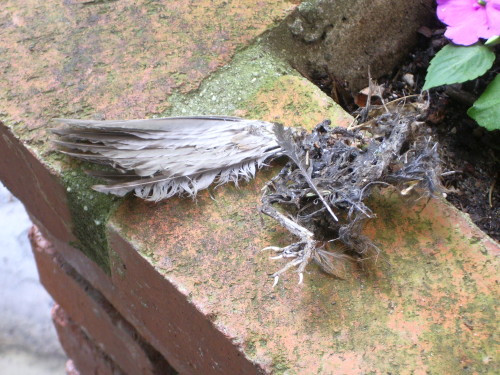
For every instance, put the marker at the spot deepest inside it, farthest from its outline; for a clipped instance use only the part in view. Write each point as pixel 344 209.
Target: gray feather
pixel 160 158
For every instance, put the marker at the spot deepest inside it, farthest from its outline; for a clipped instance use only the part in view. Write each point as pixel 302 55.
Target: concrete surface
pixel 28 342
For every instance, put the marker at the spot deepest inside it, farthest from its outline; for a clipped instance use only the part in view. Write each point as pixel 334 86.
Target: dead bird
pixel 344 167
pixel 318 196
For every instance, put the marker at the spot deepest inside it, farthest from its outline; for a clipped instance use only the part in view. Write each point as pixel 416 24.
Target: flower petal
pixel 455 12
pixel 493 16
pixel 466 33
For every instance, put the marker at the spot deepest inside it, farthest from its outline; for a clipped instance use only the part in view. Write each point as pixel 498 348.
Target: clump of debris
pixel 320 194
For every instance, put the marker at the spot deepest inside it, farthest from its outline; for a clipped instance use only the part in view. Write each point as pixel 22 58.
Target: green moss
pixel 148 253
pixel 257 344
pixel 250 349
pixel 411 238
pixel 226 90
pixel 90 211
pixel 474 240
pixel 308 6
pixel 281 365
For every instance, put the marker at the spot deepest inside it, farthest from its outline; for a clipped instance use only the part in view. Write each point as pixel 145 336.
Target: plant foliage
pixel 486 110
pixel 456 64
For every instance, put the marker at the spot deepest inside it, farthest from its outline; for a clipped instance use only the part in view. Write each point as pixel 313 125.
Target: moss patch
pixel 225 91
pixel 296 102
pixel 90 211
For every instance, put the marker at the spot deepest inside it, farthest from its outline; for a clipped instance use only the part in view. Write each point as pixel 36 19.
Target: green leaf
pixel 455 64
pixel 486 110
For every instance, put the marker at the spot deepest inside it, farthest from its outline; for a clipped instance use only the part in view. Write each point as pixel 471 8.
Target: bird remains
pixel 319 195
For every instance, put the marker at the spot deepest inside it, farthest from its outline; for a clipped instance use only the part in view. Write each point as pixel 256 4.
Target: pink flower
pixel 469 20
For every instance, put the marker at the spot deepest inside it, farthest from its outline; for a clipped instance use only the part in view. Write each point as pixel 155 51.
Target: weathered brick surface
pixel 188 276
pixel 93 273
pixel 26 175
pixel 108 59
pixel 116 59
pixel 412 309
pixel 165 316
pixel 157 310
pixel 87 358
pixel 90 310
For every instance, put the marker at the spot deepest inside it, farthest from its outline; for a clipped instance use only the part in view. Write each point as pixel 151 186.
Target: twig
pixel 490 192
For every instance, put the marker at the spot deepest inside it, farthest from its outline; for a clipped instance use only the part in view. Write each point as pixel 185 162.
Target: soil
pixel 470 154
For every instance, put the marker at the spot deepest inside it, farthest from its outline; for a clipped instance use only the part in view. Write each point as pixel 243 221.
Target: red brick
pixel 181 333
pixel 90 310
pixel 79 261
pixel 33 183
pixel 71 368
pixel 166 318
pixel 86 356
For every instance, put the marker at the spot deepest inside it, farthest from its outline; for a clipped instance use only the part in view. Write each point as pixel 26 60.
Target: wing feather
pixel 159 158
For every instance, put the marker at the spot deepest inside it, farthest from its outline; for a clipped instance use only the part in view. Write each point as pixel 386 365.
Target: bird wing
pixel 159 158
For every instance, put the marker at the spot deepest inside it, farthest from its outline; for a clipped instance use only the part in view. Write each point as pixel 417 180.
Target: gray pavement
pixel 28 341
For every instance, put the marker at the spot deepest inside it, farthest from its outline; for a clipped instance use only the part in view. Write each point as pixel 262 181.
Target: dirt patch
pixel 470 151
